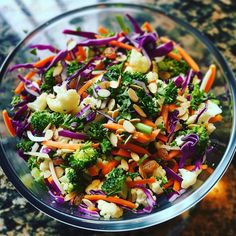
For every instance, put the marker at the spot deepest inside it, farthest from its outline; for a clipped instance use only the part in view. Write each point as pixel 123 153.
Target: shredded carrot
pixel 121 152
pixel 20 86
pixel 175 166
pixel 188 59
pixel 147 26
pixel 216 118
pixel 100 165
pixel 102 30
pixel 109 166
pixel 166 40
pixel 173 153
pixel 80 54
pixel 170 183
pixel 174 56
pixel 68 57
pixel 134 148
pixel 123 45
pixel 93 171
pixel 149 123
pixel 43 62
pixel 132 184
pixel 111 199
pixel 176 186
pixel 8 123
pixel 191 167
pixel 210 170
pixel 84 95
pixel 87 85
pixel 61 145
pixel 164 114
pixel 155 133
pixel 172 107
pixel 145 138
pixel 211 78
pixel 162 137
pixel 113 126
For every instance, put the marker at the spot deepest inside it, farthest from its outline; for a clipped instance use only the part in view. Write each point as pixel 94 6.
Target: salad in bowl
pixel 115 121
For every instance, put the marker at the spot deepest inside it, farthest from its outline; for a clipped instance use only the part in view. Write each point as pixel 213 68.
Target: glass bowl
pixel 89 18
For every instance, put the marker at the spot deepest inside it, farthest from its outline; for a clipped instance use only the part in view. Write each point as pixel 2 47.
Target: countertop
pixel 216 213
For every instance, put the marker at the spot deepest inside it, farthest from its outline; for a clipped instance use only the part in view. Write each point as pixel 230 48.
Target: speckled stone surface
pixel 215 214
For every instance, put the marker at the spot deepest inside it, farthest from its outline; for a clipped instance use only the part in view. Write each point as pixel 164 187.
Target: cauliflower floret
pixel 156 187
pixel 95 185
pixel 139 196
pixel 159 172
pixel 189 177
pixel 93 102
pixel 212 110
pixel 109 210
pixel 66 100
pixel 137 62
pixel 40 103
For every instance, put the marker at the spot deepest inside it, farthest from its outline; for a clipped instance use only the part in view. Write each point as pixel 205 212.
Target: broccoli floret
pixel 84 157
pixel 32 162
pixel 174 67
pixel 57 118
pixel 74 180
pixel 49 81
pixel 96 130
pixel 149 105
pixel 197 97
pixel 40 120
pixel 113 72
pixel 25 145
pixel 106 146
pixel 72 67
pixel 15 100
pixel 115 183
pixel 170 93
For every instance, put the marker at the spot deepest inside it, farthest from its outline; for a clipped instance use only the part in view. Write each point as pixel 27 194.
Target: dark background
pixel 216 213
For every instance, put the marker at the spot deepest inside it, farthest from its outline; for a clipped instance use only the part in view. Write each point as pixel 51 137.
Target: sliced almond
pixel 132 95
pixel 49 134
pixel 87 202
pixel 135 120
pixel 69 196
pixel 159 121
pixel 152 87
pixel 104 85
pixel 103 105
pixel 113 139
pixel 59 171
pixel 124 165
pixel 111 104
pixel 121 121
pixel 104 93
pixel 182 111
pixel 184 117
pixel 46 173
pixel 110 113
pixel 58 70
pixel 71 44
pixel 98 103
pixel 119 131
pixel 130 160
pixel 114 84
pixel 135 86
pixel 115 113
pixel 139 110
pixel 134 156
pixel 128 126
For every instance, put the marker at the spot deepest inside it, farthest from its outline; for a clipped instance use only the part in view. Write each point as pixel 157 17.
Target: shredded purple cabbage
pixel 201 112
pixel 187 80
pixel 171 174
pixel 188 148
pixel 60 56
pixel 88 212
pixel 163 49
pixel 173 120
pixel 97 192
pixel 18 66
pixel 85 34
pixel 20 112
pixel 44 47
pixel 105 115
pixel 91 116
pixel 136 27
pixel 59 199
pixel 71 134
pixel 83 110
pixel 179 81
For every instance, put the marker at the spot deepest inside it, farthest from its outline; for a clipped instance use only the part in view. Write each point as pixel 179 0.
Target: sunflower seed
pixel 104 85
pixel 114 84
pixel 139 110
pixel 103 105
pixel 128 139
pixel 120 131
pixel 132 95
pixel 128 126
pixel 135 86
pixel 159 121
pixel 115 113
pixel 135 120
pixel 49 134
pixel 121 121
pixel 58 70
pixel 124 165
pixel 59 171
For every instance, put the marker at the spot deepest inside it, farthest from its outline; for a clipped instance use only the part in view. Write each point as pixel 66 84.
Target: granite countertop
pixel 216 213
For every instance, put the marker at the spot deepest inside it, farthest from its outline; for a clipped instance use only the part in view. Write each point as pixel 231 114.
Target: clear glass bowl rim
pixel 147 220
